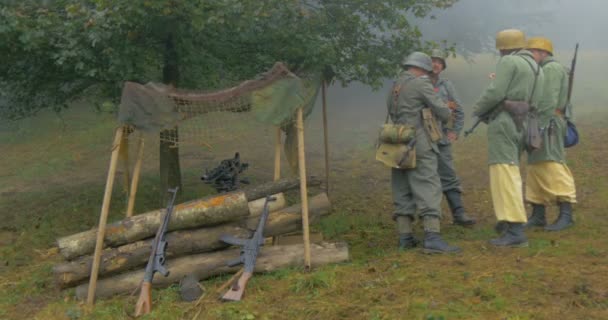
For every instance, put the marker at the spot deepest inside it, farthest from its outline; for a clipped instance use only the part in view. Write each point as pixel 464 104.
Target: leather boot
pixel 459 215
pixel 434 244
pixel 514 237
pixel 407 241
pixel 537 219
pixel 564 220
pixel 501 227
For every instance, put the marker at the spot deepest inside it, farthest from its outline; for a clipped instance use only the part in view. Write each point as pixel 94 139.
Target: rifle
pixel 471 129
pixel 225 177
pixel 571 74
pixel 156 262
pixel 250 248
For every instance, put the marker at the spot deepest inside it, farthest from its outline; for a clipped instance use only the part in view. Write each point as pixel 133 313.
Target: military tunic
pixel 550 113
pixel 446 169
pixel 514 81
pixel 417 188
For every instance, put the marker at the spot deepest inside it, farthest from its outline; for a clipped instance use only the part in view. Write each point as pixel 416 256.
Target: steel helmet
pixel 439 54
pixel 540 43
pixel 510 39
pixel 418 59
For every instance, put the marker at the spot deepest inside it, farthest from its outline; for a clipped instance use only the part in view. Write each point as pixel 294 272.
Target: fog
pixel 470 27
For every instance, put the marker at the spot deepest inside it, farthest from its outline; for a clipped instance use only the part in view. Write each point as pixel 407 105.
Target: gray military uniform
pixel 447 173
pixel 417 188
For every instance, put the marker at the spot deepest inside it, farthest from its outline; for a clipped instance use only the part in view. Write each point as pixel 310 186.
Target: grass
pixel 52 176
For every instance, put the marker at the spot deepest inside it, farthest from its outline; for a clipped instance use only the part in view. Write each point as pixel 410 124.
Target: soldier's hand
pixel 492 76
pixel 452 105
pixel 452 136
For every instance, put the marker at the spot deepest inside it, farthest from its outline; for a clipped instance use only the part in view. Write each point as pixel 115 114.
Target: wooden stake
pixel 124 158
pixel 277 155
pixel 104 217
pixel 325 139
pixel 136 173
pixel 277 168
pixel 303 189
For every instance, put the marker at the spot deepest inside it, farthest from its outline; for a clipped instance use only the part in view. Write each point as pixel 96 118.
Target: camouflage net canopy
pixel 222 122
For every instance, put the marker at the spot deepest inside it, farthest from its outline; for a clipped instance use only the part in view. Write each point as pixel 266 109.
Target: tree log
pixel 206 265
pixel 187 242
pixel 208 211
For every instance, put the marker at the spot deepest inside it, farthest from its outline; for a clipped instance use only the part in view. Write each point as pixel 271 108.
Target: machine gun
pixel 225 177
pixel 156 262
pixel 250 248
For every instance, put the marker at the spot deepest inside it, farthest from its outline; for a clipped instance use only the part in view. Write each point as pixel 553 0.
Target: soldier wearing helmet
pixel 451 130
pixel 518 79
pixel 549 179
pixel 418 189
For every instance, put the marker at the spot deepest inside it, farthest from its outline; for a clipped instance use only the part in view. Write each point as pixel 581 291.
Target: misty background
pixel 470 27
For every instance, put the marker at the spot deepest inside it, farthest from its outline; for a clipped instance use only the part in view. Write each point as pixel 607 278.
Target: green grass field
pixel 52 176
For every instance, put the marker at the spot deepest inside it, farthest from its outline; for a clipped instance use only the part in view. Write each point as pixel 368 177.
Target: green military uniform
pixel 418 188
pixel 549 179
pixel 514 81
pixel 550 112
pixel 447 173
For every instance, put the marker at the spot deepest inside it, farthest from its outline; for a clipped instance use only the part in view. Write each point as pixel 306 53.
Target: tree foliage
pixel 55 51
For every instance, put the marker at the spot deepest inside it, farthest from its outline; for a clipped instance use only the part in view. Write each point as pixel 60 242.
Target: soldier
pixel 451 130
pixel 517 76
pixel 548 178
pixel 418 188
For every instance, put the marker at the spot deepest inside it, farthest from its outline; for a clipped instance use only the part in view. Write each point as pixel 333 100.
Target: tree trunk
pixel 206 265
pixel 170 172
pixel 208 211
pixel 185 242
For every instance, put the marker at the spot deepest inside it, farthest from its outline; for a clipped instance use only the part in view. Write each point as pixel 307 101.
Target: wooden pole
pixel 104 217
pixel 277 168
pixel 325 139
pixel 124 158
pixel 277 155
pixel 136 173
pixel 303 189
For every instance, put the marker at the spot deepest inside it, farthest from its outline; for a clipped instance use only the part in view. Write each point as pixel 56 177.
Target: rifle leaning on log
pixel 156 262
pixel 250 248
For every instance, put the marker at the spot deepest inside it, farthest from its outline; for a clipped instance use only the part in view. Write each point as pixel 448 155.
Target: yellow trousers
pixel 549 182
pixel 507 193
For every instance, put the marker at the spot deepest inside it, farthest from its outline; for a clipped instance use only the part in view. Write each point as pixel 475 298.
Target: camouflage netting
pixel 235 116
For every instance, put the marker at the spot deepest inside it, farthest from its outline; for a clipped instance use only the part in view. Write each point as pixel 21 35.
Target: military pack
pixel 430 125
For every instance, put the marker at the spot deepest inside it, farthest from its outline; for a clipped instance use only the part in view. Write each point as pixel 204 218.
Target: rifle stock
pixel 238 288
pixel 144 303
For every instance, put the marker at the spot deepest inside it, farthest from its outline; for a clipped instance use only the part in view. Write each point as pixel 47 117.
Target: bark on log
pixel 187 242
pixel 206 265
pixel 209 211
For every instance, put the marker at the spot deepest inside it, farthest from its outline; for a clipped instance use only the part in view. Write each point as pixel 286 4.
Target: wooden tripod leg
pixel 303 189
pixel 101 229
pixel 136 173
pixel 124 158
pixel 277 168
pixel 325 137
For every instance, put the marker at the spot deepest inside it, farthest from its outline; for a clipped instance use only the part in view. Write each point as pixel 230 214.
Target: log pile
pixel 193 241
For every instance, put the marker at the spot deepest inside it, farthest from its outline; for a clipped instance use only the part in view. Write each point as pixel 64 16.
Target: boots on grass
pixel 433 243
pixel 458 213
pixel 513 237
pixel 407 241
pixel 564 220
pixel 537 219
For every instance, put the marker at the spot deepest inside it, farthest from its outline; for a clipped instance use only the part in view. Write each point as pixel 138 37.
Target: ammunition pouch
pixel 518 110
pixel 430 125
pixel 397 155
pixel 397 146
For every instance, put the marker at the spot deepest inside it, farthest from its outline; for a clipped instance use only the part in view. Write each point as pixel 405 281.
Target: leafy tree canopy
pixel 55 51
